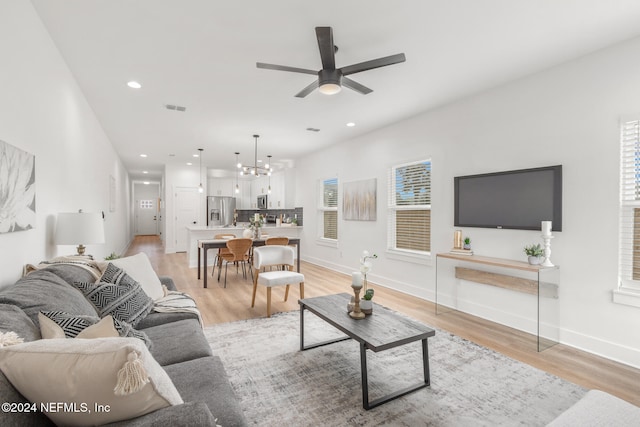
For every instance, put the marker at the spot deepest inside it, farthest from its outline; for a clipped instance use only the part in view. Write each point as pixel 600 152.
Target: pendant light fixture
pixel 200 187
pixel 238 166
pixel 255 169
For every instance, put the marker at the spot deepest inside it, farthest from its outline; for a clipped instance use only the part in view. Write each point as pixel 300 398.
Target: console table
pixel 536 280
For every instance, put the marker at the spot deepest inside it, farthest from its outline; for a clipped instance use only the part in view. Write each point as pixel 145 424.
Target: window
pixel 146 204
pixel 409 226
pixel 628 291
pixel 328 210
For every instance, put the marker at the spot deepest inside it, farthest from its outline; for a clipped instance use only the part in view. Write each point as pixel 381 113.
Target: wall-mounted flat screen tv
pixel 518 199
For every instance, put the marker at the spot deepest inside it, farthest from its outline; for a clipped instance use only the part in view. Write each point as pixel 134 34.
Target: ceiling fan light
pixel 329 89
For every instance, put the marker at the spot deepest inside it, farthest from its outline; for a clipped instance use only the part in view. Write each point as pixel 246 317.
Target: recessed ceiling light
pixel 145 171
pixel 196 155
pixel 134 85
pixel 189 164
pixel 143 155
pixel 351 124
pixel 145 182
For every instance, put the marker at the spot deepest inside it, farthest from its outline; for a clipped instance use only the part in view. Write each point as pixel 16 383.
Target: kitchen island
pixel 199 232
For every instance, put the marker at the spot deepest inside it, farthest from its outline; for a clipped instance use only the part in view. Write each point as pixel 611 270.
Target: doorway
pixel 146 208
pixel 188 210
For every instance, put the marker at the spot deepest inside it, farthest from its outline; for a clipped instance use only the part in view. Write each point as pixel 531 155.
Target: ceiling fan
pixel 331 79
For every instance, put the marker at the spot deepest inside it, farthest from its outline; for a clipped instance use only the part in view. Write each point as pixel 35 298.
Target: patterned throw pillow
pixel 119 295
pixel 71 325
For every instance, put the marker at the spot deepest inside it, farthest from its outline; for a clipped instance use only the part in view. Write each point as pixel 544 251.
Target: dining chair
pixel 280 240
pixel 218 259
pixel 238 254
pixel 274 255
pixel 284 241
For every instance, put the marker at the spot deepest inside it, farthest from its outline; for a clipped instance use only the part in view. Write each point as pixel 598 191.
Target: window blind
pixel 329 209
pixel 629 252
pixel 409 223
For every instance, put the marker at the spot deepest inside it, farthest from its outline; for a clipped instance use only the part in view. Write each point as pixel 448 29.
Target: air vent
pixel 313 130
pixel 175 107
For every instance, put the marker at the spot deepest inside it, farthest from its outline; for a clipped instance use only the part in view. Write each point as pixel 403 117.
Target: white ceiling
pixel 201 54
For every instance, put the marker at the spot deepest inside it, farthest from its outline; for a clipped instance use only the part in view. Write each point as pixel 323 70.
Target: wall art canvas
pixel 359 200
pixel 17 189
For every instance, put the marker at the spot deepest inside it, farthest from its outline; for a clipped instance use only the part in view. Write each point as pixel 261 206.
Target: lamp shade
pixel 79 228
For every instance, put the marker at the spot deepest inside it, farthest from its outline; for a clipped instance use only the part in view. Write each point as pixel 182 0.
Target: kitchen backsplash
pixel 244 214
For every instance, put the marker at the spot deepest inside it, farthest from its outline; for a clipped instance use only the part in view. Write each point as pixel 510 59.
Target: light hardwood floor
pixel 219 305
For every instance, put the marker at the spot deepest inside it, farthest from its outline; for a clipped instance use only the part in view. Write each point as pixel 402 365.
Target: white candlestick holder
pixel 547 251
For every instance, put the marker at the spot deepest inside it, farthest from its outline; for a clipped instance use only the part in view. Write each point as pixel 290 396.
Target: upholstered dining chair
pixel 274 255
pixel 218 260
pixel 238 254
pixel 283 241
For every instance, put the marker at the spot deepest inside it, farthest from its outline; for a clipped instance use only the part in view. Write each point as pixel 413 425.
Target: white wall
pixel 44 113
pixel 568 115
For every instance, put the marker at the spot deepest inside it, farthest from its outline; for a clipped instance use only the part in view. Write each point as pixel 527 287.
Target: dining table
pixel 205 244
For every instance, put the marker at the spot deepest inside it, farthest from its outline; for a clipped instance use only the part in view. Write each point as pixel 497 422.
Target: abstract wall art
pixel 17 189
pixel 359 200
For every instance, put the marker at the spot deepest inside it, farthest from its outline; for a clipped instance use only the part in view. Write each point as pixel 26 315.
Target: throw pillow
pixel 139 267
pixel 57 324
pixel 119 295
pixel 100 381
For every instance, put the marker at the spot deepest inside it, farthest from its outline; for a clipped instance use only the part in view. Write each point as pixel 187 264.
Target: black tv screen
pixel 519 199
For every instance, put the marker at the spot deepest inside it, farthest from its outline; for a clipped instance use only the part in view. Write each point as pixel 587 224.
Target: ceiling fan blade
pixel 307 90
pixel 327 49
pixel 374 63
pixel 353 85
pixel 285 68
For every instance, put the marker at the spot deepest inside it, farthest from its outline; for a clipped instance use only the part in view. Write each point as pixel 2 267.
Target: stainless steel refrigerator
pixel 220 211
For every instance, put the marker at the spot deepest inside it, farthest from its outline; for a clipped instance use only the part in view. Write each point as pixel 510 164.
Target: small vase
pixel 247 233
pixel 366 306
pixel 257 233
pixel 351 304
pixel 535 260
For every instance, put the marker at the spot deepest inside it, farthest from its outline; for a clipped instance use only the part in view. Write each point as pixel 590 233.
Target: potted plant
pixel 467 243
pixel 111 256
pixel 535 253
pixel 366 305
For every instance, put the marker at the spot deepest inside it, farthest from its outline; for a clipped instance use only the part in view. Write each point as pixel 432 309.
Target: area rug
pixel 470 385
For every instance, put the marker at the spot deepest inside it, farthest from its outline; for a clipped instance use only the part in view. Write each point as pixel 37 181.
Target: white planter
pixel 366 306
pixel 535 260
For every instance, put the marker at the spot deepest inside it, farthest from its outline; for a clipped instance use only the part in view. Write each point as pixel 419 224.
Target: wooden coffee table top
pixel 381 330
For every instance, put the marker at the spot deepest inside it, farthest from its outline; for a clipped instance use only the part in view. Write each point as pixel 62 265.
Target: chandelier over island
pixel 256 169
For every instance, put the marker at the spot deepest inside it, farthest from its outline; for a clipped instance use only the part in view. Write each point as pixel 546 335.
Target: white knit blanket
pixel 84 261
pixel 174 301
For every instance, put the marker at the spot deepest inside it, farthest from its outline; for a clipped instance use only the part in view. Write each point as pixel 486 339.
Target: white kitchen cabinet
pixel 221 187
pixel 277 197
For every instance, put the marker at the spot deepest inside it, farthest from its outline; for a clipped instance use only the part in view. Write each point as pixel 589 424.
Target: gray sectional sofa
pixel 178 345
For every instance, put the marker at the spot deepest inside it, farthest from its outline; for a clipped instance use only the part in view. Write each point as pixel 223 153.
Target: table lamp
pixel 79 228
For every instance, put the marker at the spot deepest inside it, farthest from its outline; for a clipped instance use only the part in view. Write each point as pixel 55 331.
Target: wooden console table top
pixel 498 262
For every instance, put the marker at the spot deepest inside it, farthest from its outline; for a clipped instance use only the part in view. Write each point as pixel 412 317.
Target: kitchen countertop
pixel 238 227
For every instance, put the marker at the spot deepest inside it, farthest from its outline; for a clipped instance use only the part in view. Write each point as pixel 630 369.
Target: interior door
pixel 187 207
pixel 146 208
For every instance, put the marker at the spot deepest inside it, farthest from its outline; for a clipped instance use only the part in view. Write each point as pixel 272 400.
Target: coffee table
pixel 382 330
